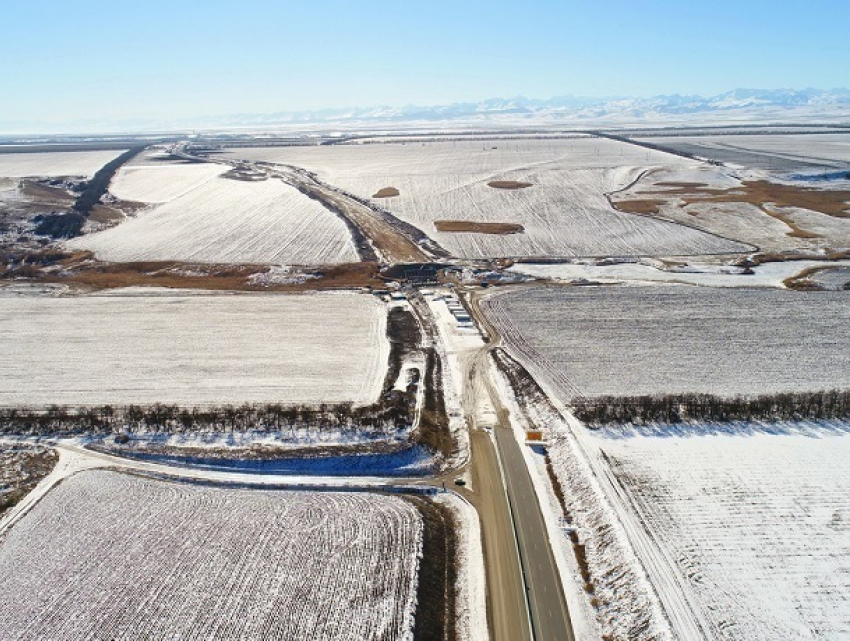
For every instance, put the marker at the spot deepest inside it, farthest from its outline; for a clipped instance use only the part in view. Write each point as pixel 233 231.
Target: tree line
pixel 71 223
pixel 677 408
pixel 392 413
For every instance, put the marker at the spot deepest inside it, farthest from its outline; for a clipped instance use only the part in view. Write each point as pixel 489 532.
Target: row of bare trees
pixel 677 408
pixel 392 413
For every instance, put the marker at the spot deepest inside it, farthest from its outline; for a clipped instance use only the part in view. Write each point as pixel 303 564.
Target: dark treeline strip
pixel 434 431
pixel 525 388
pixel 677 408
pixel 71 224
pixel 436 603
pixel 97 186
pixel 405 338
pixel 384 418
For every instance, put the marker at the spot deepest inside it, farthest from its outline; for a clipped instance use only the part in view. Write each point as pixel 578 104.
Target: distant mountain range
pixel 741 106
pixel 834 104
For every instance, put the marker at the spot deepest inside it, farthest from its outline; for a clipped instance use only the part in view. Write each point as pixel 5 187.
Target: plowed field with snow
pixel 591 341
pixel 110 556
pixel 753 521
pixel 218 220
pixel 564 212
pixel 781 153
pixel 192 350
pixel 151 177
pixel 55 163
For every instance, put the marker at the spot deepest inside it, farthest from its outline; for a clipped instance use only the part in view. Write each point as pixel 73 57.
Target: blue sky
pixel 63 62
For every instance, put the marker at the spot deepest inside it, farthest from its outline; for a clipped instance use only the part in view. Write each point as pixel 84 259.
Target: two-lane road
pixel 547 605
pixel 550 618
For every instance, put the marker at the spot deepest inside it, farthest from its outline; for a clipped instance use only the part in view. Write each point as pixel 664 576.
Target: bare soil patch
pixel 767 196
pixel 508 184
pixel 41 192
pixel 21 468
pixel 386 192
pixel 760 192
pixel 640 206
pixel 682 184
pixel 478 228
pixel 796 230
pixel 80 268
pixel 105 214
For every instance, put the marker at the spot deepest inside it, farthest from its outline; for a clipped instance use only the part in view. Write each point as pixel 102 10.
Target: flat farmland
pixel 222 221
pixel 55 163
pixel 751 519
pixel 592 341
pixel 192 350
pixel 554 189
pixel 151 177
pixel 773 215
pixel 781 153
pixel 106 555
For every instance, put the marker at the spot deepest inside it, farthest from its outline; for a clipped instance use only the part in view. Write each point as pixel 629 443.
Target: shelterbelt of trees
pixel 676 408
pixel 71 223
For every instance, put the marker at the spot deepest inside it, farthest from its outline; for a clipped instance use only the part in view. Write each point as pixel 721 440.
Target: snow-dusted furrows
pixel 755 519
pixel 105 555
pixel 564 213
pixel 192 350
pixel 226 221
pixel 593 341
pixel 769 152
pixel 152 178
pixel 55 163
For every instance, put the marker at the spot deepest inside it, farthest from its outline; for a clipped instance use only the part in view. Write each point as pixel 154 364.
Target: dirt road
pixel 380 238
pixel 390 244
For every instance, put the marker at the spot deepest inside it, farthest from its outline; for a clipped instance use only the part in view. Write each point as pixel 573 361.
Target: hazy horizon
pixel 167 62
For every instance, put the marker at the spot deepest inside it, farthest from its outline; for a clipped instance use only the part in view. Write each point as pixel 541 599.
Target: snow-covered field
pixel 222 221
pixel 55 163
pixel 192 350
pixel 835 277
pixel 590 341
pixel 768 152
pixel 106 555
pixel 751 522
pixel 564 213
pixel 764 275
pixel 150 178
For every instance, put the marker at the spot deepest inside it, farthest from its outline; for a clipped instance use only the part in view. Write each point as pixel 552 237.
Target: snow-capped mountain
pixel 834 102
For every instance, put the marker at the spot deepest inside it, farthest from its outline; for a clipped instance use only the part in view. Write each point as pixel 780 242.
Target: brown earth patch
pixel 638 206
pixel 682 184
pixel 508 184
pixel 478 228
pixel 803 281
pixel 82 269
pixel 129 206
pixel 45 192
pixel 105 214
pixel 784 257
pixel 386 192
pixel 796 230
pixel 760 192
